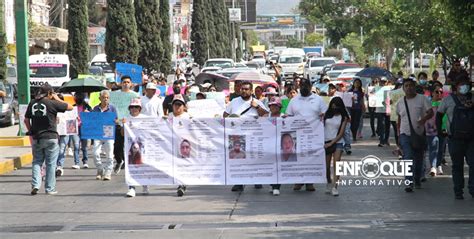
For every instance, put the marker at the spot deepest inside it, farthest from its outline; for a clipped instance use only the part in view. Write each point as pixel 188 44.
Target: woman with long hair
pixel 358 106
pixel 335 121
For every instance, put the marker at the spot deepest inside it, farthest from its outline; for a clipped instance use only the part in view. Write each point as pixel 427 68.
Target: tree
pixel 221 29
pixel 353 44
pixel 78 39
pixel 149 33
pixel 199 40
pixel 3 44
pixel 294 43
pixel 121 43
pixel 165 65
pixel 313 39
pixel 97 14
pixel 226 31
pixel 214 47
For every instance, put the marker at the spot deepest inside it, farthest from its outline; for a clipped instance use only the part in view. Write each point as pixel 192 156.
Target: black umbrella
pixel 221 82
pixel 375 72
pixel 87 84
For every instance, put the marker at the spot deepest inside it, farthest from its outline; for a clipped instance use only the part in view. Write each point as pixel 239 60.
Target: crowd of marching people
pixel 426 118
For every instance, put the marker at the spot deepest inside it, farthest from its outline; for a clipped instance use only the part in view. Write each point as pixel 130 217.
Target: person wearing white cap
pixel 152 104
pixel 135 109
pixel 179 112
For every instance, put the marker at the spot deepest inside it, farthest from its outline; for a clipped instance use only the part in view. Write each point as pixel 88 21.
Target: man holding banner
pixel 308 105
pixel 104 171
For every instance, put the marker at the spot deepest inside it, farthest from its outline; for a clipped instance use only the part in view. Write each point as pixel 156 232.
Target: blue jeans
pixel 433 144
pixel 83 143
pixel 460 150
pixel 383 127
pixel 45 150
pixel 63 141
pixel 415 155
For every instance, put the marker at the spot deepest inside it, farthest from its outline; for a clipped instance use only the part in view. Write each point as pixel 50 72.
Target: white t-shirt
pixel 239 105
pixel 331 128
pixel 152 107
pixel 417 106
pixel 312 106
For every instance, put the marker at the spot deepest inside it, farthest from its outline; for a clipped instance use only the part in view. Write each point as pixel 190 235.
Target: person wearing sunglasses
pixel 454 73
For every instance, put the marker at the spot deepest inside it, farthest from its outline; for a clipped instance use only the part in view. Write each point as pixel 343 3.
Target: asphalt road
pixel 87 208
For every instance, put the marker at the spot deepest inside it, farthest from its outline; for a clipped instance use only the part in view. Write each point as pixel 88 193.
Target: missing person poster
pixel 67 123
pixel 251 149
pixel 98 125
pixel 301 157
pixel 199 151
pixel 148 149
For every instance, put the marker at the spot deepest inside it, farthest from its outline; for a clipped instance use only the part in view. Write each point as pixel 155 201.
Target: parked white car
pixel 315 65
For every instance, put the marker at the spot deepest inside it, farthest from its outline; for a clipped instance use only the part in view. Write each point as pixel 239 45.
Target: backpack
pixel 462 127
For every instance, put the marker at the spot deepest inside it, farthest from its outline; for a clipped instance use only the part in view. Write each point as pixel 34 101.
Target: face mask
pixel 464 89
pixel 305 92
pixel 176 90
pixel 422 82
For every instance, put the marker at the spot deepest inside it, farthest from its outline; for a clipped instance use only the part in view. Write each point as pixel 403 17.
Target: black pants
pixel 394 126
pixel 356 115
pixel 118 145
pixel 372 119
pixel 383 127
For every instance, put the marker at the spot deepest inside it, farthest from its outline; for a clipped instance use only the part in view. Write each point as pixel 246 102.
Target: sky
pixel 276 6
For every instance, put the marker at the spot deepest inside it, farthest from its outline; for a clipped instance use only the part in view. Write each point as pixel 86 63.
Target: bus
pixel 50 68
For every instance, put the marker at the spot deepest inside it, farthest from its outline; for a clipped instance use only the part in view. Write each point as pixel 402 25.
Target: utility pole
pixel 233 35
pixel 22 52
pixel 61 15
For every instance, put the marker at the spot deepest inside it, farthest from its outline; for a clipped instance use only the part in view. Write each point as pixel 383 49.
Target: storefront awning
pixel 45 33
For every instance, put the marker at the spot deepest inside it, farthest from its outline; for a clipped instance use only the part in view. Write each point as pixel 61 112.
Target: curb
pixel 15 163
pixel 15 141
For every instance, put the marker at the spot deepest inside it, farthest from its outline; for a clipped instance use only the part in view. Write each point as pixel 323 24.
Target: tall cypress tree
pixel 121 43
pixel 149 33
pixel 223 29
pixel 165 65
pixel 78 39
pixel 199 32
pixel 3 44
pixel 228 32
pixel 216 23
pixel 238 47
pixel 214 47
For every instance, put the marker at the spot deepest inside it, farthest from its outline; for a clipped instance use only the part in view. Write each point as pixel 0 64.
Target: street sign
pixel 235 14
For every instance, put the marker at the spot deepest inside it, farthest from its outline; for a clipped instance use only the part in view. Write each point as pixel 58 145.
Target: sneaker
pixel 237 188
pixel 107 177
pixel 181 190
pixel 85 165
pixel 59 171
pixel 334 192
pixel 75 166
pixel 276 192
pixel 459 197
pixel 258 186
pixel 433 171
pixel 310 188
pixel 52 192
pixel 145 191
pixel 423 179
pixel 118 167
pixel 328 188
pixel 99 174
pixel 409 188
pixel 69 152
pixel 440 170
pixel 380 145
pixel 34 191
pixel 131 193
pixel 298 187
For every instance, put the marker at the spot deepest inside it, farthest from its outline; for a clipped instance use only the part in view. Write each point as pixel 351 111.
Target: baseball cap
pixel 136 102
pixel 178 97
pixel 275 101
pixel 110 80
pixel 151 86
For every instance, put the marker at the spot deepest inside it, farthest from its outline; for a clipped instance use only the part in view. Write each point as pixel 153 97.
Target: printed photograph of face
pixel 135 152
pixel 71 127
pixel 185 149
pixel 288 146
pixel 237 147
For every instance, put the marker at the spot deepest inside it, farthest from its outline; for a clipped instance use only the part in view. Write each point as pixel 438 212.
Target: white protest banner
pixel 218 96
pixel 148 149
pixel 198 151
pixel 67 122
pixel 346 97
pixel 377 95
pixel 207 108
pixel 23 108
pixel 251 150
pixel 301 157
pixel 121 101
